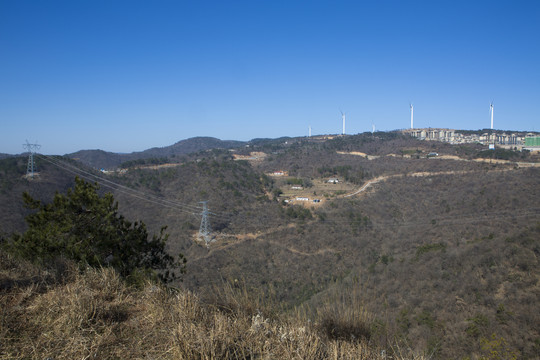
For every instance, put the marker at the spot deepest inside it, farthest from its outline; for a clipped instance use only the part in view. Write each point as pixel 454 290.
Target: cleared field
pixel 320 189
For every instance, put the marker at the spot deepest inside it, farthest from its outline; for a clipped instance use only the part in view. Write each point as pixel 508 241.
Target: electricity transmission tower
pixel 205 229
pixel 32 148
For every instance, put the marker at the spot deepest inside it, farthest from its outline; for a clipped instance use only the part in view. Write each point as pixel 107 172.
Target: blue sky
pixel 129 75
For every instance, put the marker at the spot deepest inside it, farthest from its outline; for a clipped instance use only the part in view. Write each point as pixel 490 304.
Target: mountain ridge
pixel 101 159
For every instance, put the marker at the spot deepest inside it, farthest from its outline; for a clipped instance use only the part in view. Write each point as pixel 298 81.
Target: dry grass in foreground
pixel 95 315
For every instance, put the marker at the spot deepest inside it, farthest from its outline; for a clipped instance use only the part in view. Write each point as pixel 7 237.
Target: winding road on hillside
pixel 241 238
pixel 364 187
pixel 415 174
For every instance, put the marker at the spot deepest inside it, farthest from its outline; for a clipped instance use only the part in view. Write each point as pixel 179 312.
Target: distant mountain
pixel 190 145
pixel 107 160
pixel 98 158
pixel 3 156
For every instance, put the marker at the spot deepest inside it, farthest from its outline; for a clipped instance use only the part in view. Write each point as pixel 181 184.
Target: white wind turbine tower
pixel 372 128
pixel 343 118
pixel 309 130
pixel 491 113
pixel 412 110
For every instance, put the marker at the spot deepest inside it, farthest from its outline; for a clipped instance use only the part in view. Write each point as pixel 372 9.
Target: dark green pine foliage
pixel 87 228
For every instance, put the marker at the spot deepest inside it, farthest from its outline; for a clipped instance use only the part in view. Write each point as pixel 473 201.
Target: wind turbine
pixel 343 118
pixel 412 110
pixel 491 113
pixel 372 128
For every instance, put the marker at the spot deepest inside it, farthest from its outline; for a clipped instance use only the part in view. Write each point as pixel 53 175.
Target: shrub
pixel 403 321
pixel 295 181
pixel 298 212
pixel 346 323
pixel 429 247
pixel 476 324
pixel 425 318
pixel 497 348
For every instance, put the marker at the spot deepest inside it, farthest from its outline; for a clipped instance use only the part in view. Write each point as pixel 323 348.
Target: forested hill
pixel 439 254
pixel 99 159
pixel 191 145
pixel 107 160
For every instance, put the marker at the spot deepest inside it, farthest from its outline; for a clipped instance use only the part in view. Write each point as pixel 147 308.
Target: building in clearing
pixel 333 181
pixel 532 143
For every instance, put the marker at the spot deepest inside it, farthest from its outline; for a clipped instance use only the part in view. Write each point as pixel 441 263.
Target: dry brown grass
pixel 94 315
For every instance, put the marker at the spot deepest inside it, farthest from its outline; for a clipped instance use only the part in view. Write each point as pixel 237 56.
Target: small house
pixel 333 181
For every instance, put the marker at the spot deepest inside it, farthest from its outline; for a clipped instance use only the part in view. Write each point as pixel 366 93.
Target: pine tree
pixel 87 228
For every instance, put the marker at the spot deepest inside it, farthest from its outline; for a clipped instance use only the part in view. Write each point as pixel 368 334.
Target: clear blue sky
pixel 129 75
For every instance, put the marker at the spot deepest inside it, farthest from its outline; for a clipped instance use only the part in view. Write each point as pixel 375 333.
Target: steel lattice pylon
pixel 31 167
pixel 205 229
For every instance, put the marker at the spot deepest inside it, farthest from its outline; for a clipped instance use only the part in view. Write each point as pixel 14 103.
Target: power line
pixel 186 208
pixel 272 223
pixel 205 229
pixel 193 210
pixel 117 186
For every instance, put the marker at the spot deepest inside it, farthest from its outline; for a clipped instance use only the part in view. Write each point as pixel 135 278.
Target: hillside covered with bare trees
pixel 374 239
